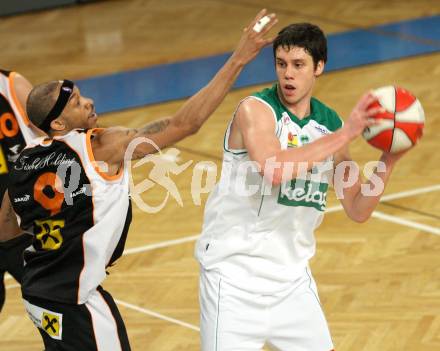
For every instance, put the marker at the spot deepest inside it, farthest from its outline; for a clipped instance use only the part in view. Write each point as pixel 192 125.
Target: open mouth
pixel 289 87
pixel 93 115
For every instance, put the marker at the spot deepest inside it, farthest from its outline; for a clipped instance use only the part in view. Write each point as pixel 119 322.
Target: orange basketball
pixel 401 124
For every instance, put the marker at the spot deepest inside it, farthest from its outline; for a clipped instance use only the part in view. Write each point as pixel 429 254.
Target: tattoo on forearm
pixel 155 127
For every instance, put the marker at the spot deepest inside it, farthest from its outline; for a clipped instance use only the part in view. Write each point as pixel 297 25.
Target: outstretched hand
pixel 252 41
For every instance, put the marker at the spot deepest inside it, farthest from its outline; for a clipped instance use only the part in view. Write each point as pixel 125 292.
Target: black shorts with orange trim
pixel 95 325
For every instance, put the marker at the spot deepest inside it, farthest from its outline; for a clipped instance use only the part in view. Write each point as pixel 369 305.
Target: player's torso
pixel 270 230
pixel 79 219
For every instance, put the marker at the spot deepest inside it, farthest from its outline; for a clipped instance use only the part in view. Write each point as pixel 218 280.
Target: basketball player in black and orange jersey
pixel 15 133
pixel 72 191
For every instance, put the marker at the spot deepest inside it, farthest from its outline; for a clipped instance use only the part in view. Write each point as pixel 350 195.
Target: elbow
pixel 194 129
pixel 191 128
pixel 360 217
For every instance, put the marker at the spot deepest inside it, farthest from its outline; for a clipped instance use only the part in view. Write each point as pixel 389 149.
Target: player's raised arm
pixel 191 116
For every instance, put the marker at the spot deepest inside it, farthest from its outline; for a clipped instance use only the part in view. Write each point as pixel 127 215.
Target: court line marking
pixel 141 310
pixel 375 214
pixel 160 245
pixel 390 197
pixel 337 208
pixel 157 315
pixel 406 222
pixel 12 286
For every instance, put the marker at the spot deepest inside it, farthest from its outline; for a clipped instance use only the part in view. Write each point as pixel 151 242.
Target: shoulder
pixel 253 108
pixel 4 72
pixel 103 135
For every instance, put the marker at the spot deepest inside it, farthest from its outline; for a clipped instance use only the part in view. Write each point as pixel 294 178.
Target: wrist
pixel 388 159
pixel 237 62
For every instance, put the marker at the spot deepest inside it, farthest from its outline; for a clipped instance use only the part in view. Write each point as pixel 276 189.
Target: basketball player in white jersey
pixel 15 133
pixel 256 287
pixel 80 230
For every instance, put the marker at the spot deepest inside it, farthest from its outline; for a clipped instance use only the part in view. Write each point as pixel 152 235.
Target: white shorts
pixel 235 320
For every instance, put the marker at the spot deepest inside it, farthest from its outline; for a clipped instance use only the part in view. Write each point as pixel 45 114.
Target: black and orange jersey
pixel 14 130
pixel 79 216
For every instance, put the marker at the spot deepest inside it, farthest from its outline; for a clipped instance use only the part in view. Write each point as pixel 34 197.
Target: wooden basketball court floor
pixel 379 282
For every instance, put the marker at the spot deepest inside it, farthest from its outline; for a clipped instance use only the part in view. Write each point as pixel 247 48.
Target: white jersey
pixel 262 241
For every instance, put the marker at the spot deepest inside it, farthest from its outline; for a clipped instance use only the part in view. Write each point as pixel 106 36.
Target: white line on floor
pixel 337 208
pixel 406 222
pixel 156 315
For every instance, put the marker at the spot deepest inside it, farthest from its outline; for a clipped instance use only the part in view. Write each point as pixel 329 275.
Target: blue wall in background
pixel 178 80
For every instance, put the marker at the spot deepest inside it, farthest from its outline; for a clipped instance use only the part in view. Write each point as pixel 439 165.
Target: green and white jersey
pixel 258 236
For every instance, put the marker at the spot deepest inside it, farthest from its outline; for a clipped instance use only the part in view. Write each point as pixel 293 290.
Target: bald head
pixel 41 100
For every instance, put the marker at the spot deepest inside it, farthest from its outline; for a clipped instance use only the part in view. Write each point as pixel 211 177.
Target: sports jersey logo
pixel 3 163
pixel 292 140
pixel 51 324
pixel 24 198
pixel 53 159
pixel 52 200
pixel 50 236
pixel 309 189
pixel 304 139
pixel 49 321
pixel 47 194
pixel 322 130
pixel 304 193
pixel 82 190
pixel 8 126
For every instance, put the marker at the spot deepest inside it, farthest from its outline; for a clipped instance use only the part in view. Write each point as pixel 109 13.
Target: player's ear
pixel 319 68
pixel 58 124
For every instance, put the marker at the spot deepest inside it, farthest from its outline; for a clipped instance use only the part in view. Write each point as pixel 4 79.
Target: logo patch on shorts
pixel 51 324
pixel 49 321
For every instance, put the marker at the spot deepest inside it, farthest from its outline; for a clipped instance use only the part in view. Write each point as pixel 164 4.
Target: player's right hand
pixel 361 116
pixel 252 42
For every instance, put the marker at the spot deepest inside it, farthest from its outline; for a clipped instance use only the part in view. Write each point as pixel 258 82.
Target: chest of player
pixel 51 193
pixel 309 188
pixel 292 134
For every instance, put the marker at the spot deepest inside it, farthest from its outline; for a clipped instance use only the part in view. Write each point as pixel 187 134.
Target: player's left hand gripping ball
pixel 401 124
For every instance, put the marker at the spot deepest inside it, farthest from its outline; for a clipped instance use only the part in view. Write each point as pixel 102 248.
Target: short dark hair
pixel 304 35
pixel 41 100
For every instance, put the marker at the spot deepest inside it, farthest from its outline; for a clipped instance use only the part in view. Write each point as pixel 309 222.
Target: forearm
pixel 294 161
pixel 191 116
pixel 199 107
pixel 363 198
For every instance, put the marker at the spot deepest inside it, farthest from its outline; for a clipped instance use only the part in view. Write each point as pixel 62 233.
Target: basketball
pixel 402 122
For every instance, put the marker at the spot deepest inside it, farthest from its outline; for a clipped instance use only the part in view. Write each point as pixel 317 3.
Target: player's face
pixel 80 111
pixel 296 74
